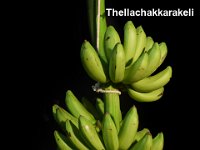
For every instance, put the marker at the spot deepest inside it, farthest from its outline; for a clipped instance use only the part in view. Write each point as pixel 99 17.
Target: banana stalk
pixel 112 105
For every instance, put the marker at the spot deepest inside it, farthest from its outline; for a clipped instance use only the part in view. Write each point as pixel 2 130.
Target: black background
pixel 48 64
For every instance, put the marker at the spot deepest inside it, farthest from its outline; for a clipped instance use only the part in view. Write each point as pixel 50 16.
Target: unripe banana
pixel 110 133
pixel 112 106
pixel 164 51
pixel 91 63
pixel 73 138
pixel 76 108
pixel 117 64
pixel 61 117
pixel 154 82
pixel 141 42
pixel 144 144
pixel 110 40
pixel 154 59
pixel 149 43
pixel 136 71
pixel 61 141
pixel 128 129
pixel 89 134
pixel 90 107
pixel 100 107
pixel 140 134
pixel 130 41
pixel 158 142
pixel 54 109
pixel 146 97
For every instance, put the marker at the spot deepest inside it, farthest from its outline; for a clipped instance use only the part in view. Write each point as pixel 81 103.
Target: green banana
pixel 128 129
pixel 62 141
pixel 136 71
pixel 72 136
pixel 158 142
pixel 61 117
pixel 164 51
pixel 117 64
pixel 130 41
pixel 154 59
pixel 54 109
pixel 110 40
pixel 144 144
pixel 146 97
pixel 141 42
pixel 112 106
pixel 89 134
pixel 90 107
pixel 110 133
pixel 76 108
pixel 149 43
pixel 140 134
pixel 91 62
pixel 100 107
pixel 154 82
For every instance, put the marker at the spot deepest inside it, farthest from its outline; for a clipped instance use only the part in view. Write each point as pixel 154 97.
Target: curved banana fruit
pixel 100 107
pixel 117 64
pixel 61 117
pixel 112 106
pixel 144 144
pixel 154 59
pixel 110 133
pixel 158 142
pixel 76 108
pixel 61 141
pixel 149 43
pixel 89 134
pixel 140 134
pixel 154 82
pixel 128 129
pixel 73 138
pixel 141 42
pixel 130 41
pixel 164 51
pixel 146 97
pixel 90 107
pixel 110 40
pixel 136 71
pixel 91 62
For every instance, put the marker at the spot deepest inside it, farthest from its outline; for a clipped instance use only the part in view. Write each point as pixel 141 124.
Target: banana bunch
pixel 85 126
pixel 130 64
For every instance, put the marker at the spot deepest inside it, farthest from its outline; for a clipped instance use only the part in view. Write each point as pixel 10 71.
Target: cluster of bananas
pixel 130 65
pixel 88 127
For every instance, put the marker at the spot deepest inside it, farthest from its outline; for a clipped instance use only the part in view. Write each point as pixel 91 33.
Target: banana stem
pixel 112 106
